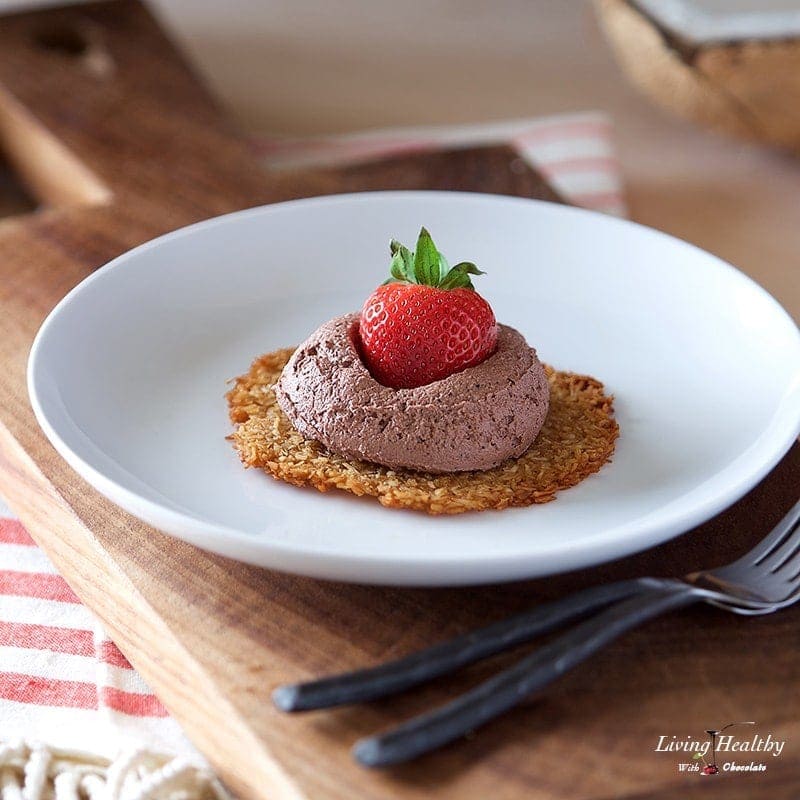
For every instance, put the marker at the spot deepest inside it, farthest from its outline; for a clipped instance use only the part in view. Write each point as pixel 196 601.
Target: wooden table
pixel 213 636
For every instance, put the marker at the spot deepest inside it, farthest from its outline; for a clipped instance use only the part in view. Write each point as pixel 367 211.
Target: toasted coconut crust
pixel 577 439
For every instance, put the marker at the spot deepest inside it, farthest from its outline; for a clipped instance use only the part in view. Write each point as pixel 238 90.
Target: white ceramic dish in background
pixel 128 373
pixel 705 21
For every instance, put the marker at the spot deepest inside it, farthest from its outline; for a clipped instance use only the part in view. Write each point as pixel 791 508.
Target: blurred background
pixel 336 65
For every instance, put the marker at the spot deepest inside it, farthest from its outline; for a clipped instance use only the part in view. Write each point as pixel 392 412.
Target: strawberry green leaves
pixel 458 276
pixel 426 260
pixel 402 267
pixel 427 266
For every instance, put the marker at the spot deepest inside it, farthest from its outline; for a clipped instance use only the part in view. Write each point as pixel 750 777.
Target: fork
pixel 762 581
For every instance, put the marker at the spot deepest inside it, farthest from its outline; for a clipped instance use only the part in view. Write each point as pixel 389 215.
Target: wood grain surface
pixel 101 94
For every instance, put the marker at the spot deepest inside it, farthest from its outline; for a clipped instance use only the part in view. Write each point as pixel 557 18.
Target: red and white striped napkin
pixel 575 152
pixel 62 681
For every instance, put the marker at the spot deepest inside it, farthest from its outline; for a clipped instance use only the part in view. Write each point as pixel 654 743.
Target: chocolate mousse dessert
pixel 423 401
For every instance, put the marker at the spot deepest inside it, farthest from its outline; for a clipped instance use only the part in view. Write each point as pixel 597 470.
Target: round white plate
pixel 128 374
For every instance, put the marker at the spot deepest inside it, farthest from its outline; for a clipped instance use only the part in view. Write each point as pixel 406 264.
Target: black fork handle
pixel 505 690
pixel 445 657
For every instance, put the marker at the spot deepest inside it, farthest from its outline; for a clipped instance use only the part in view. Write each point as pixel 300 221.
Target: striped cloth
pixel 62 681
pixel 575 152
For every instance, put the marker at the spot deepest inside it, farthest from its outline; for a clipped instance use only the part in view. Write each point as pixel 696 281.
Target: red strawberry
pixel 427 321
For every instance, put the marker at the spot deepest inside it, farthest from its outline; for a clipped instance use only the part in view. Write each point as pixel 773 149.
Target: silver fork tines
pixel 775 545
pixel 768 573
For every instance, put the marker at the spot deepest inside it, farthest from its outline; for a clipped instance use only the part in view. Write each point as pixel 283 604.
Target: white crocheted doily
pixel 39 772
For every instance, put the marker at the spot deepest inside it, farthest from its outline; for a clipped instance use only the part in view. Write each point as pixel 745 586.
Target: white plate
pixel 128 373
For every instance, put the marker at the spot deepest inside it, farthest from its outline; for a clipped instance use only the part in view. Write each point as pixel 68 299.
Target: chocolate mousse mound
pixel 473 420
pixel 576 440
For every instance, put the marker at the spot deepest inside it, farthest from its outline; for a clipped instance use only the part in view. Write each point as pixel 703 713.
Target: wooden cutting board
pixel 118 141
